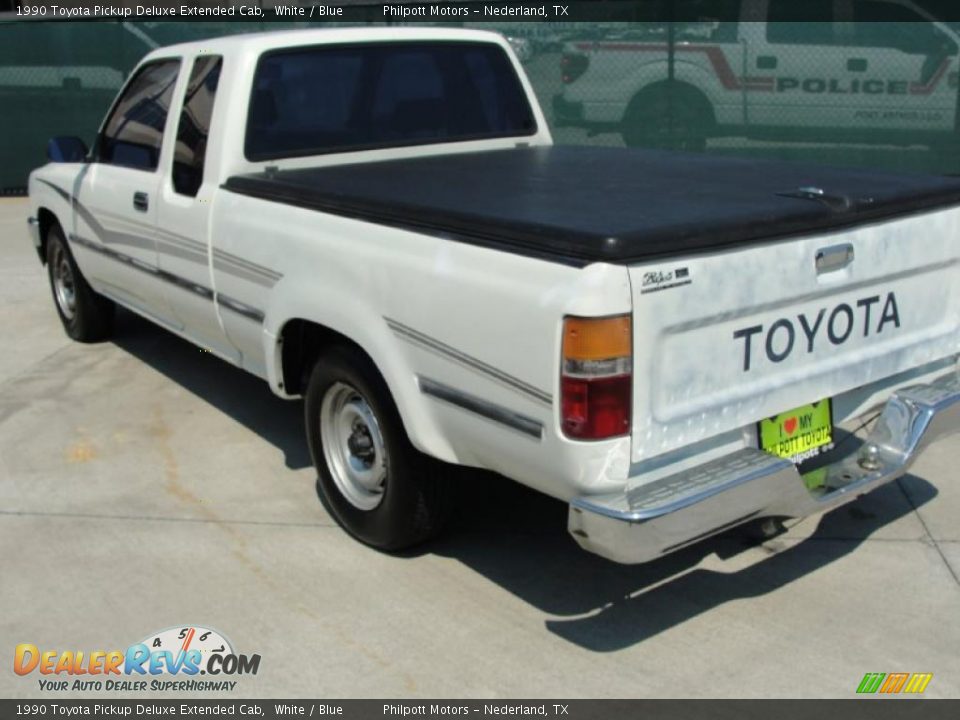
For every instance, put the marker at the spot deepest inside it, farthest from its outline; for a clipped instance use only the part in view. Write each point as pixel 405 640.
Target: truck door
pixel 904 62
pixel 799 51
pixel 115 198
pixel 184 212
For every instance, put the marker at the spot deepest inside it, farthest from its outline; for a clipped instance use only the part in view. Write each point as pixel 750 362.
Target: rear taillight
pixel 596 375
pixel 572 66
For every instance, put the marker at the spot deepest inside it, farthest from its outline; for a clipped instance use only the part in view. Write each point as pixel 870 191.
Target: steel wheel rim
pixel 64 285
pixel 353 446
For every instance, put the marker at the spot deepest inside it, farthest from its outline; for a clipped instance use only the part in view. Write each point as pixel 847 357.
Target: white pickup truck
pixel 880 71
pixel 376 220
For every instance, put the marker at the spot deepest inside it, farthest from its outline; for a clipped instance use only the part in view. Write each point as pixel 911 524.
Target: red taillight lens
pixel 596 377
pixel 595 409
pixel 572 66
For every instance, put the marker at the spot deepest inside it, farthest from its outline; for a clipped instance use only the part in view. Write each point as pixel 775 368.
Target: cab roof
pixel 257 43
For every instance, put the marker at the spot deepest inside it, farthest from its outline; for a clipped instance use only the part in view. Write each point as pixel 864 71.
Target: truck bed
pixel 578 205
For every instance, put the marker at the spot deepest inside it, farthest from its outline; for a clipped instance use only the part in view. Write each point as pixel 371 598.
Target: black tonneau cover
pixel 579 205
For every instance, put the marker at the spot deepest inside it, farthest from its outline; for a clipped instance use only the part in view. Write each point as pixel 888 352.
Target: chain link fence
pixel 877 86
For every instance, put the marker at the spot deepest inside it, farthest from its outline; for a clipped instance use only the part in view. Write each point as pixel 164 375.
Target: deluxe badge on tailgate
pixel 800 434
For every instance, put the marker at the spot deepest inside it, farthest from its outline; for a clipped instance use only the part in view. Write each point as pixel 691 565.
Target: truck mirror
pixel 66 149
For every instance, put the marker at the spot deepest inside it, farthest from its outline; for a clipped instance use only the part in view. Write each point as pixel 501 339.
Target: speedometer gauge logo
pixel 184 639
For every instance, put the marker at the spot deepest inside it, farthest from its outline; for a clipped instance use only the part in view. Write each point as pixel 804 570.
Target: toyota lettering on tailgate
pixel 868 316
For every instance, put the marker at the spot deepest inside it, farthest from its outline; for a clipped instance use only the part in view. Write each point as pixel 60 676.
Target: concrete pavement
pixel 145 484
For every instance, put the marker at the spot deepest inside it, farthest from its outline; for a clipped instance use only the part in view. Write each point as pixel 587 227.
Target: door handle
pixel 140 201
pixel 767 62
pixel 857 65
pixel 835 257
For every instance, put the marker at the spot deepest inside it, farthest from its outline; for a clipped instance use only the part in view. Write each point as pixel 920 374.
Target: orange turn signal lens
pixel 596 338
pixel 596 377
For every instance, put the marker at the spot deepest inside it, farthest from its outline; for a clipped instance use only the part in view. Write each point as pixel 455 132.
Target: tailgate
pixel 722 340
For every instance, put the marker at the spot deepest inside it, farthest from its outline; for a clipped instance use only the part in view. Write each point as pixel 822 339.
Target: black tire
pixel 415 500
pixel 677 119
pixel 86 316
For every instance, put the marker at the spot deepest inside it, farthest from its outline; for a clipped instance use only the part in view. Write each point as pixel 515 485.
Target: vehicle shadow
pixel 517 538
pixel 245 398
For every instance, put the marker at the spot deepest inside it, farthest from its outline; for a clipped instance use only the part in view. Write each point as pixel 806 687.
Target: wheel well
pixel 302 342
pixel 681 91
pixel 47 220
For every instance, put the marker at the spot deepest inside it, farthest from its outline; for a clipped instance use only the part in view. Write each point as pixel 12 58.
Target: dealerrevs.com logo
pixel 170 660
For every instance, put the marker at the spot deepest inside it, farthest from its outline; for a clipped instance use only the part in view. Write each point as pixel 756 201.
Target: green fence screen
pixel 876 86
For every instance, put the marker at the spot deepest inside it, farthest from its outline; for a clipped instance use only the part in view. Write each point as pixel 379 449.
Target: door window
pixel 133 133
pixel 194 127
pixel 800 23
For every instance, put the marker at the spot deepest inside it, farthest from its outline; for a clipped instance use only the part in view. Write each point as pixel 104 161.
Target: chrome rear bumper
pixel 656 518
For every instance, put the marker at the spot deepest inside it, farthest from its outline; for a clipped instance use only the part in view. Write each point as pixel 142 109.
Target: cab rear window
pixel 318 100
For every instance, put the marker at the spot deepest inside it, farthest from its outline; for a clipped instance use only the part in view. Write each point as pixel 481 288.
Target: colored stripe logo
pixel 894 683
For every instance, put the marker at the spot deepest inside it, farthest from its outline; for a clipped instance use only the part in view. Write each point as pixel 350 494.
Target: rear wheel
pixel 86 316
pixel 373 482
pixel 675 119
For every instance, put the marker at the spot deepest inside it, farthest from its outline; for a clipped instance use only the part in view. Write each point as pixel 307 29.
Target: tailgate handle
pixel 835 257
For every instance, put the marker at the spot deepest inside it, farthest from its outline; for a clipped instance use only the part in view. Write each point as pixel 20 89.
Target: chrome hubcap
pixel 63 283
pixel 353 446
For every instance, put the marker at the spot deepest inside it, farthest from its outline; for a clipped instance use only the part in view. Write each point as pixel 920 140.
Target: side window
pixel 409 98
pixel 479 86
pixel 800 23
pixel 134 132
pixel 890 25
pixel 194 127
pixel 304 100
pixel 337 98
pixel 874 11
